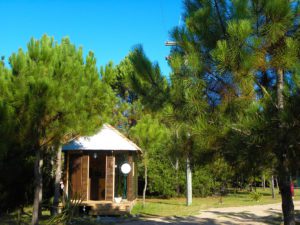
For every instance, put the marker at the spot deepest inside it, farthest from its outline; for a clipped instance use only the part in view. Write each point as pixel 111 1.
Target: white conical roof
pixel 108 138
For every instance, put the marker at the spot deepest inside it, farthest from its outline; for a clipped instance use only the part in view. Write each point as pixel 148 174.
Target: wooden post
pixel 130 180
pixel 84 176
pixel 110 178
pixel 88 179
pixel 67 175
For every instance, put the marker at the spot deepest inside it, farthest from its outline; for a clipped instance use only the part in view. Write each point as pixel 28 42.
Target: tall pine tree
pixel 239 42
pixel 57 95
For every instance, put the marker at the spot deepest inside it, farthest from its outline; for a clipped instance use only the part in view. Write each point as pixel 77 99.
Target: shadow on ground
pixel 208 217
pixel 247 217
pixel 214 218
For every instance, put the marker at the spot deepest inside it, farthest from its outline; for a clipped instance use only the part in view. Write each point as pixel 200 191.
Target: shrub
pixel 203 182
pixel 69 212
pixel 255 196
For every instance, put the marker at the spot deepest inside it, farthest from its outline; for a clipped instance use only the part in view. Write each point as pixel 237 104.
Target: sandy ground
pixel 247 215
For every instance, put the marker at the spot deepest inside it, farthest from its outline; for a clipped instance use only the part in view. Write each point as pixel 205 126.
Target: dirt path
pixel 247 215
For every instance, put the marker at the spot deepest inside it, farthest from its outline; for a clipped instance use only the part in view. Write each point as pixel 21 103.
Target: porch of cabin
pixel 95 208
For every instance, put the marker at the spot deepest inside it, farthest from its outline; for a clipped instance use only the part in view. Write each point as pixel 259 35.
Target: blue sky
pixel 109 28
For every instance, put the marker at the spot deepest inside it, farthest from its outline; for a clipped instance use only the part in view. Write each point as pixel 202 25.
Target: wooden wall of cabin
pixel 110 178
pixel 135 177
pixel 78 175
pixel 130 180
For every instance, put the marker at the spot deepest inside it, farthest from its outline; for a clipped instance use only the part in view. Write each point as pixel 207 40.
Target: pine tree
pixel 150 135
pixel 57 95
pixel 182 99
pixel 239 42
pixel 127 108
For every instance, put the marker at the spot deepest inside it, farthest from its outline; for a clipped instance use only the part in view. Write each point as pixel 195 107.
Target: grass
pixel 12 218
pixel 177 207
pixel 167 207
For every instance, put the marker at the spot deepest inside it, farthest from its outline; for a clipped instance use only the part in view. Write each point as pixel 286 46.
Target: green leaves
pixel 150 135
pixel 59 93
pixel 239 30
pixel 234 53
pixel 148 81
pixel 279 13
pixel 49 95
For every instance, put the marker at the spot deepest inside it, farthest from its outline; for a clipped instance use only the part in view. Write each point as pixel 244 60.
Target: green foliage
pixel 49 94
pixel 255 196
pixel 203 182
pixel 127 106
pixel 69 211
pixel 44 82
pixel 150 135
pixel 148 80
pixel 162 174
pixel 222 87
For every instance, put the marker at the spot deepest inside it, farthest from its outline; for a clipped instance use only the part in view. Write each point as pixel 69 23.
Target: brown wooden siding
pixel 130 185
pixel 67 190
pixel 84 177
pixel 110 178
pixel 75 174
pixel 78 176
pixel 135 179
pixel 78 164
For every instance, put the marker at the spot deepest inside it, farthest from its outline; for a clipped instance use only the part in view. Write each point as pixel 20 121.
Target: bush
pixel 162 178
pixel 255 196
pixel 203 183
pixel 69 213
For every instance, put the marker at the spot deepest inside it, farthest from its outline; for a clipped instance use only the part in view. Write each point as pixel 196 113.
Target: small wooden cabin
pixel 93 171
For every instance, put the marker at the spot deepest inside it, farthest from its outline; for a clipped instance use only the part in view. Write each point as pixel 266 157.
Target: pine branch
pixel 220 18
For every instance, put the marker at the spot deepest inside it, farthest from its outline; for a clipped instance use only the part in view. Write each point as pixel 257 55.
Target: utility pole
pixel 170 43
pixel 189 192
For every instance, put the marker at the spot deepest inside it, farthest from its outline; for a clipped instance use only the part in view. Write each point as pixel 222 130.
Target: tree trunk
pixel 280 99
pixel 287 200
pixel 177 178
pixel 177 168
pixel 57 180
pixel 188 182
pixel 283 170
pixel 264 182
pixel 38 187
pixel 145 186
pixel 272 187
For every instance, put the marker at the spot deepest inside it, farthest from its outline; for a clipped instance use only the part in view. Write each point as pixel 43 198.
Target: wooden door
pixel 78 164
pixel 75 175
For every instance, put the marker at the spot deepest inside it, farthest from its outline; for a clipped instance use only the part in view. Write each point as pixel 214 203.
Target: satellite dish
pixel 125 168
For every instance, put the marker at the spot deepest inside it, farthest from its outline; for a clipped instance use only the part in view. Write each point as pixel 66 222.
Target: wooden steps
pixel 108 208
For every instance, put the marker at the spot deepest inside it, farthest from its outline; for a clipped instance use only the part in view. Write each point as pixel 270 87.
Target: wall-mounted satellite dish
pixel 125 168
